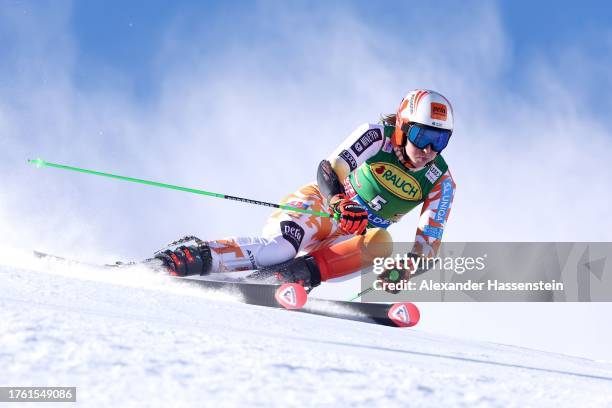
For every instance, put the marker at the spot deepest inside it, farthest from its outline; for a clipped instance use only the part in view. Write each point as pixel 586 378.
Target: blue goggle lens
pixel 423 136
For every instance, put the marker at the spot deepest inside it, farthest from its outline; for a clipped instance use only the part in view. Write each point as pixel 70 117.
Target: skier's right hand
pixel 351 216
pixel 393 276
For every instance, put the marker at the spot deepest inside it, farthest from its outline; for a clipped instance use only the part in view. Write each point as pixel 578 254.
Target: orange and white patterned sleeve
pixel 434 214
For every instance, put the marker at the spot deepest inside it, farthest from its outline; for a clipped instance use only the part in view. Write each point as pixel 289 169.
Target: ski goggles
pixel 422 136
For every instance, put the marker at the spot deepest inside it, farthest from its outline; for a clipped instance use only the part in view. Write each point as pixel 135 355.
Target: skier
pixel 376 176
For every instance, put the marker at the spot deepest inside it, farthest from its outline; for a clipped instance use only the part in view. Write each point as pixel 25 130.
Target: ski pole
pixel 41 163
pixel 360 294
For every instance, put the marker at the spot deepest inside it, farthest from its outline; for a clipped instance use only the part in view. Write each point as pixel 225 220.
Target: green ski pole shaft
pixel 41 163
pixel 360 294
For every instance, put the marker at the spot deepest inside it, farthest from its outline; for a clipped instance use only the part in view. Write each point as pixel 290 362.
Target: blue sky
pixel 125 37
pixel 247 100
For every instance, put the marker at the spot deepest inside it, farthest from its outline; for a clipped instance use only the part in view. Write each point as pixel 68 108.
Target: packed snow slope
pixel 137 339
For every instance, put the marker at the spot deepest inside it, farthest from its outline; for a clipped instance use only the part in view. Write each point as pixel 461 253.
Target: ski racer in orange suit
pixel 372 179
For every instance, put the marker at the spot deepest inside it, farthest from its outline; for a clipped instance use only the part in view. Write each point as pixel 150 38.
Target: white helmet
pixel 424 107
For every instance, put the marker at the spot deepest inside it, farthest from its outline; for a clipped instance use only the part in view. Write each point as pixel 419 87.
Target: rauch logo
pixel 396 181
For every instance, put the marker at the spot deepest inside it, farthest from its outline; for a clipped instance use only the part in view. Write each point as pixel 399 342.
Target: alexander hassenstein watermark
pixel 459 265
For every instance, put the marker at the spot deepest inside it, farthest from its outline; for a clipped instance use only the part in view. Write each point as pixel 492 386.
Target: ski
pixel 292 297
pixel 403 314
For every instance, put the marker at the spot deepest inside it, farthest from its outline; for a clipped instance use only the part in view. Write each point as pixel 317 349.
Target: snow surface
pixel 136 339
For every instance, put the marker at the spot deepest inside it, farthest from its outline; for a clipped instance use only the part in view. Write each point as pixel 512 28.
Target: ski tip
pixel 404 314
pixel 291 296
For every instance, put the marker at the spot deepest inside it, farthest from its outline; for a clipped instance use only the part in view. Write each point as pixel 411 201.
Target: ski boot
pixel 302 270
pixel 187 256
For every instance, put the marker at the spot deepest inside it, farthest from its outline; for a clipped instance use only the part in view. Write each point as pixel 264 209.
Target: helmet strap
pixel 400 153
